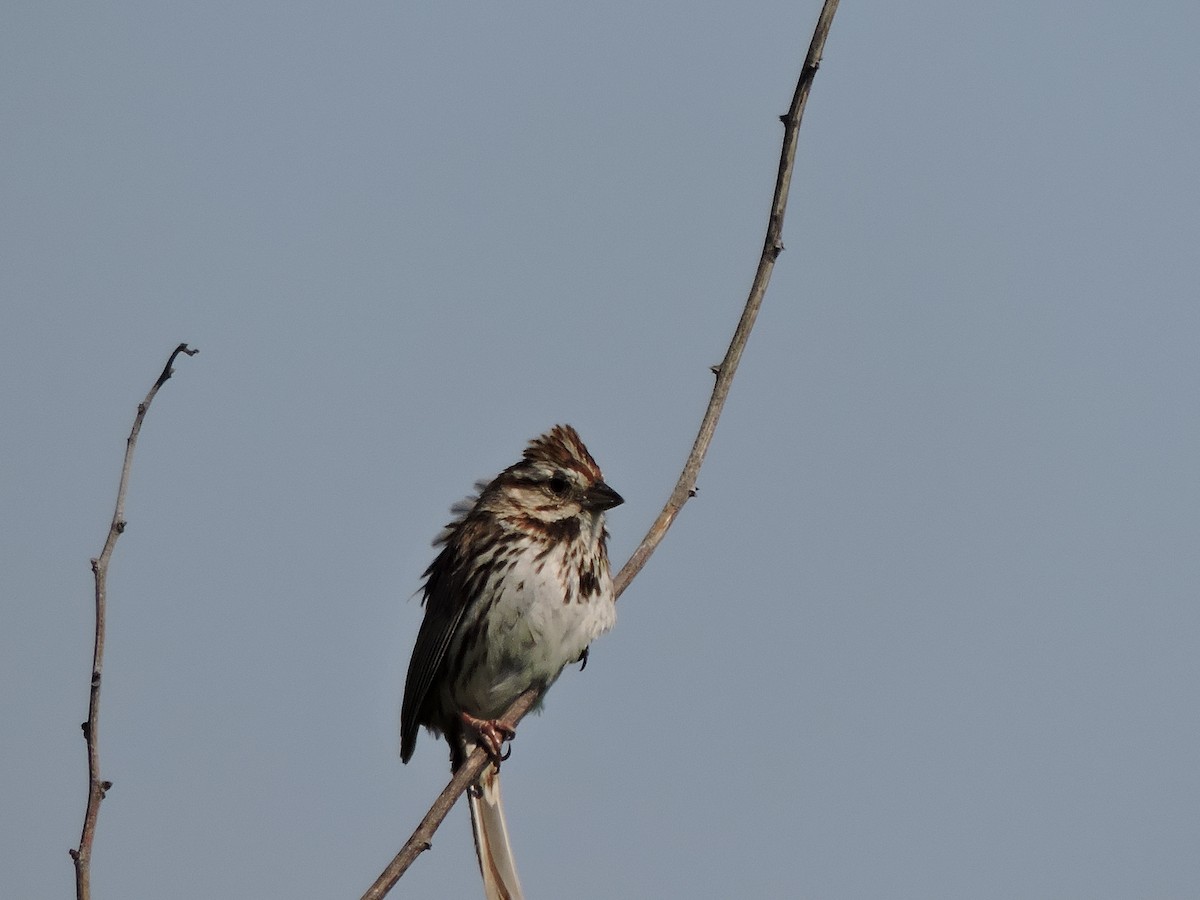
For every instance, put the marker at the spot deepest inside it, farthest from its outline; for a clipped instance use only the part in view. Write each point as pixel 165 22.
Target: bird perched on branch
pixel 520 588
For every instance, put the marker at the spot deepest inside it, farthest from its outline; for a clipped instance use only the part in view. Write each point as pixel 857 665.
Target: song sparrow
pixel 519 589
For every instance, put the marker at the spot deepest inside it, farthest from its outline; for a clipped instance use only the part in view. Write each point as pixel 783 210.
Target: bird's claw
pixel 493 734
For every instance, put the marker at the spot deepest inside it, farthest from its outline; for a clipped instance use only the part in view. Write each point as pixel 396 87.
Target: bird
pixel 518 590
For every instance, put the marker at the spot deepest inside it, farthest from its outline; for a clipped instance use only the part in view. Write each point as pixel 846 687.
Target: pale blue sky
pixel 929 630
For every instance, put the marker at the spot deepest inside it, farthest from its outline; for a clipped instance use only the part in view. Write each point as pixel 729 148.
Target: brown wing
pixel 445 602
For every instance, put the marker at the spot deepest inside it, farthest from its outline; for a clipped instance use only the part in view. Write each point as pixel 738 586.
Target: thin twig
pixel 464 777
pixel 686 486
pixel 91 728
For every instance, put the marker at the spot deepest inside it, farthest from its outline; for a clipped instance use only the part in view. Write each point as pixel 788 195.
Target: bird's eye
pixel 559 486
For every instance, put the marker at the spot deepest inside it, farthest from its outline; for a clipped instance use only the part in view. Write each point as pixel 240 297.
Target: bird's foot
pixel 493 734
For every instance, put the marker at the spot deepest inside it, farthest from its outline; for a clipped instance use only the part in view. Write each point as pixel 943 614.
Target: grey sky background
pixel 929 629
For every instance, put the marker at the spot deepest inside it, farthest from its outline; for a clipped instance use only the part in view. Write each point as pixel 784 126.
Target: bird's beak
pixel 600 497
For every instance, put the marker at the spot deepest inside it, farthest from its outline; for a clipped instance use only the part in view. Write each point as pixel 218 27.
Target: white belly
pixel 537 625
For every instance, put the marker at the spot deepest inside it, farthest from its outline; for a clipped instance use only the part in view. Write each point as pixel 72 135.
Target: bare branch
pixel 82 855
pixel 466 775
pixel 685 487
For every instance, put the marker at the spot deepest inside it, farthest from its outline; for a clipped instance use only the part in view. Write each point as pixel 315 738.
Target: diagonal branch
pixel 685 486
pixel 91 728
